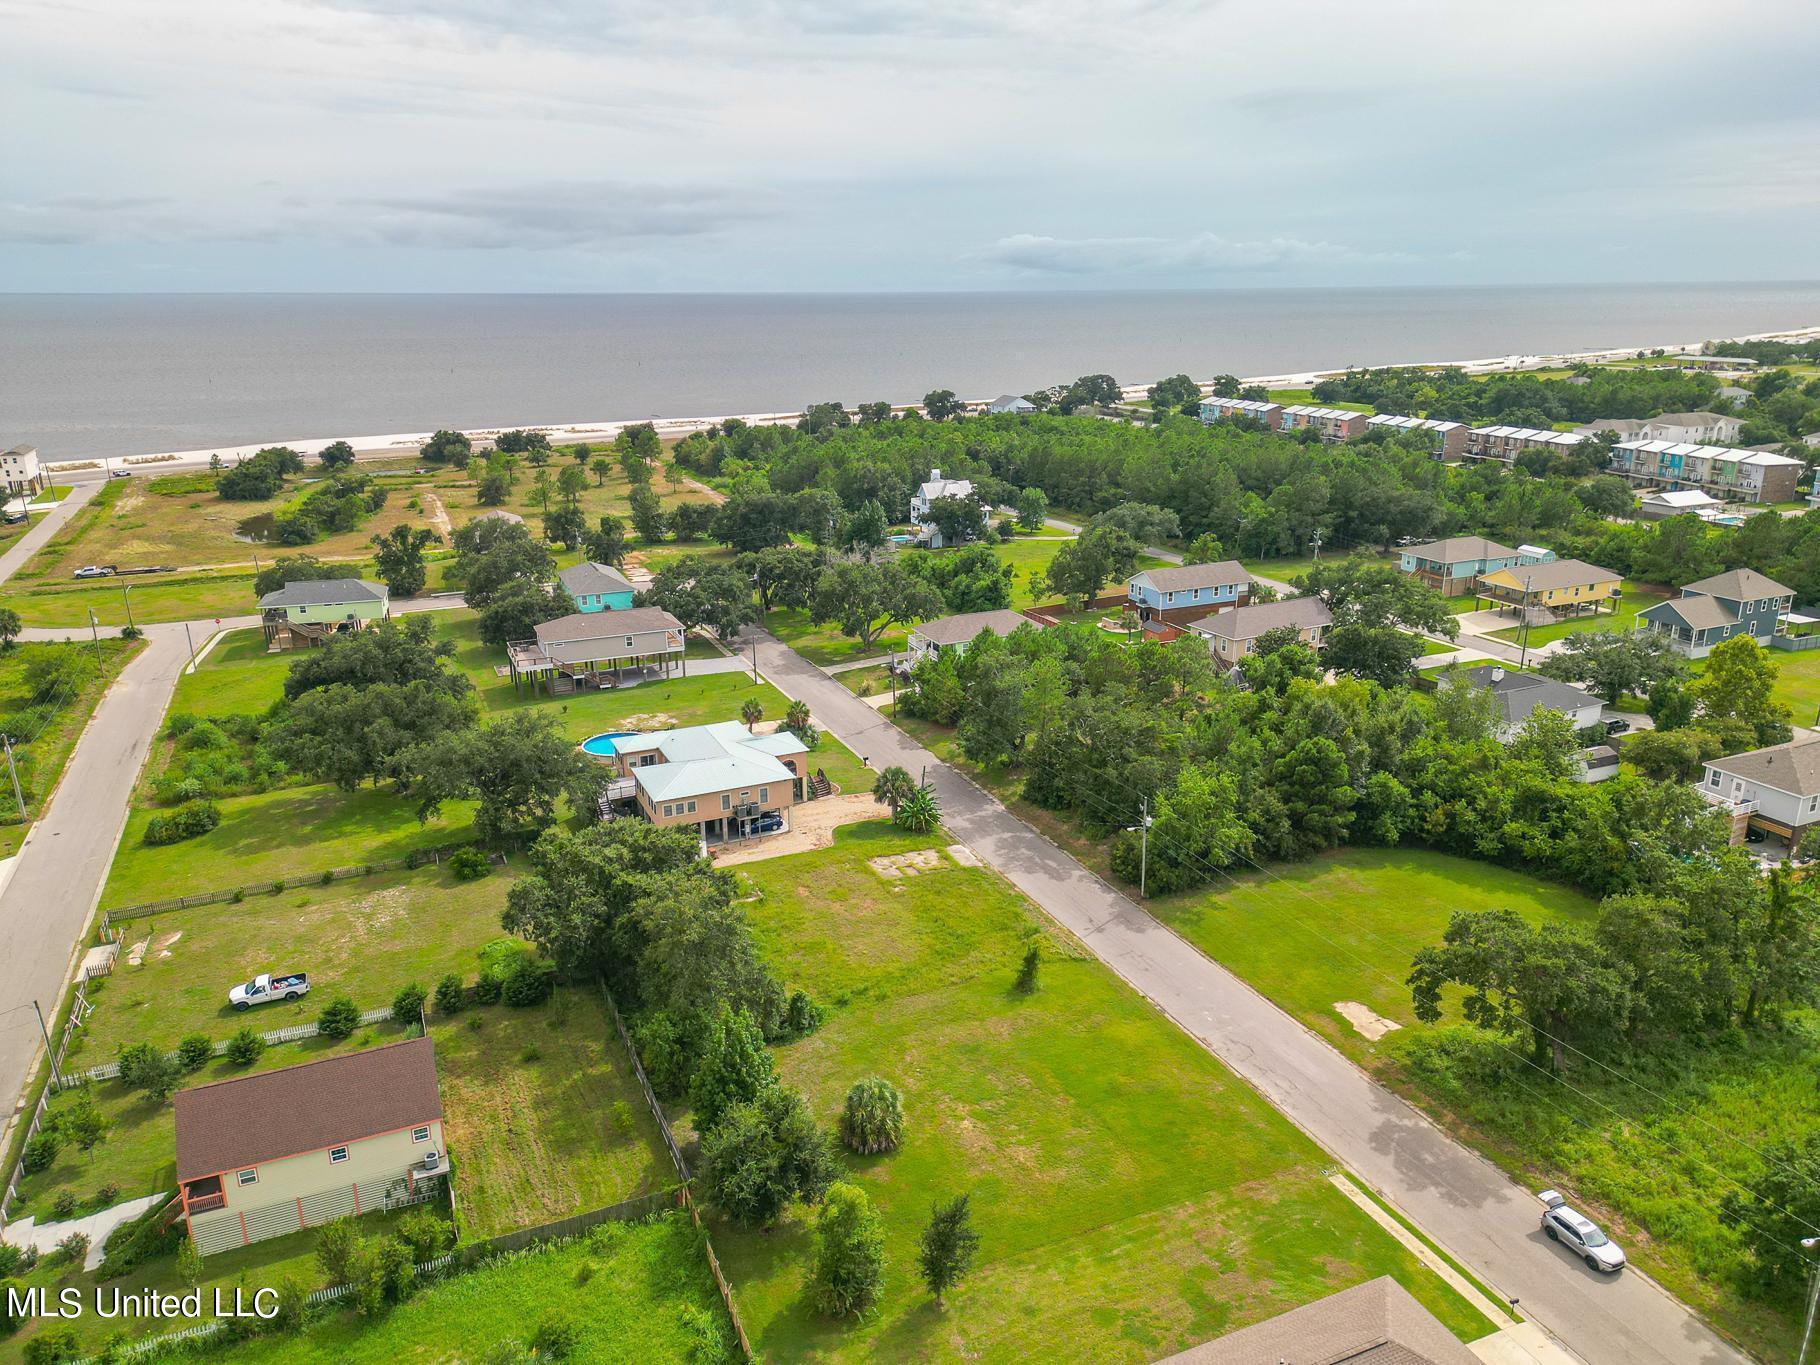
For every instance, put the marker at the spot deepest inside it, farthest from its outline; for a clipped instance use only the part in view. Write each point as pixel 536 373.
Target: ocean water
pixel 90 375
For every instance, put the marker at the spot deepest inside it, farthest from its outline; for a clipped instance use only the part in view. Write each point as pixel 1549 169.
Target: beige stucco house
pixel 272 1153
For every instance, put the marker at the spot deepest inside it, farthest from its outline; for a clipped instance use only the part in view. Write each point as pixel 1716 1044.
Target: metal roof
pixel 1385 419
pixel 324 592
pixel 587 578
pixel 1243 404
pixel 702 759
pixel 1309 410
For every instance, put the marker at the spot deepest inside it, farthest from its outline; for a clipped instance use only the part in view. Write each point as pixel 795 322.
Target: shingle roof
pixel 1689 419
pixel 1178 577
pixel 1375 1323
pixel 231 1125
pixel 1740 585
pixel 587 579
pixel 1697 613
pixel 1520 693
pixel 962 629
pixel 1247 623
pixel 1793 767
pixel 324 592
pixel 1457 548
pixel 1559 573
pixel 602 625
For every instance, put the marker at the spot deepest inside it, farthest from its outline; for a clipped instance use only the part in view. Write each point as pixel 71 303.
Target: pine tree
pixel 949 1243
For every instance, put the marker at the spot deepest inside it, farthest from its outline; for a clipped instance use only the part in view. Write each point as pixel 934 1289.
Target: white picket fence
pixel 295 1033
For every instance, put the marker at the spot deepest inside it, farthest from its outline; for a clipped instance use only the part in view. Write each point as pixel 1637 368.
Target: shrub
pixel 427 1235
pixel 668 1045
pixel 849 1252
pixel 488 989
pixel 12 1292
pixel 193 1052
pixel 1027 970
pixel 245 1047
pixel 556 1337
pixel 531 1053
pixel 469 864
pixel 41 1151
pixel 529 982
pixel 54 1345
pixel 397 1269
pixel 181 724
pixel 189 1263
pixel 802 1016
pixel 450 996
pixel 73 1248
pixel 292 1308
pixel 339 1018
pixel 407 1005
pixel 139 1239
pixel 107 1196
pixel 82 1123
pixel 186 822
pixel 64 1205
pixel 335 1246
pixel 873 1118
pixel 10 1257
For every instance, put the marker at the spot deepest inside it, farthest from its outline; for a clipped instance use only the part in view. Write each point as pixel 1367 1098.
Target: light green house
pixel 299 615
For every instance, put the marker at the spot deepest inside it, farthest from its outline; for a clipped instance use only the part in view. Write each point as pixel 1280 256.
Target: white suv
pixel 1578 1233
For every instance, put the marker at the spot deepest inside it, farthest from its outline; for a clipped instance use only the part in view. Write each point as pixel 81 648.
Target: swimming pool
pixel 601 746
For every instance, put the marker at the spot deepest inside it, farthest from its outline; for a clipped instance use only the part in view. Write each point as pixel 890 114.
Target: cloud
pixel 1205 252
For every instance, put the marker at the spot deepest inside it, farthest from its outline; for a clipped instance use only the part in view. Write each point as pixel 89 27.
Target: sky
pixel 877 145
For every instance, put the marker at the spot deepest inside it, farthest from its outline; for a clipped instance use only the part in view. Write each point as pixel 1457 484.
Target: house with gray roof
pixel 1230 635
pixel 1012 403
pixel 1774 790
pixel 1375 1323
pixel 1713 610
pixel 596 587
pixel 1186 592
pixel 952 634
pixel 306 613
pixel 1453 565
pixel 598 649
pixel 1520 694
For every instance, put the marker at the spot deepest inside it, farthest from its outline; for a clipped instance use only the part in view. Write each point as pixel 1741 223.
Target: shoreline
pixel 399 443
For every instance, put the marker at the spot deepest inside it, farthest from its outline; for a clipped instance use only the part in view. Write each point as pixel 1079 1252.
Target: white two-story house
pixel 934 488
pixel 1776 790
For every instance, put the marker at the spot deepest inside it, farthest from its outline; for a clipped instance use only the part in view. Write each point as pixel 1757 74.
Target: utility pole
pixel 49 1051
pixel 891 668
pixel 1143 829
pixel 1813 1299
pixel 1316 542
pixel 13 768
pixel 94 627
pixel 189 640
pixel 1523 651
pixel 755 661
pixel 127 588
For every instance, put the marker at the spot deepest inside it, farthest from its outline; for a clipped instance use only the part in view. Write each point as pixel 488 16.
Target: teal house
pixel 596 587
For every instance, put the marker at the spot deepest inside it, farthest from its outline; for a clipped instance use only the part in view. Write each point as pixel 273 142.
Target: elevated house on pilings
pixel 302 615
pixel 598 649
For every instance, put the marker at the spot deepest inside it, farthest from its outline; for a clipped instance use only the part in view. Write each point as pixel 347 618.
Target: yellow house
pixel 272 1153
pixel 1569 586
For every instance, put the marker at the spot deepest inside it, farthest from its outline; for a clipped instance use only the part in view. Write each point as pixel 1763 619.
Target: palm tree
pixel 920 813
pixel 751 712
pixel 892 787
pixel 797 718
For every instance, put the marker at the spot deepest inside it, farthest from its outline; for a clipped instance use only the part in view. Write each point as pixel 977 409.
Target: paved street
pixel 1459 1199
pixel 43 528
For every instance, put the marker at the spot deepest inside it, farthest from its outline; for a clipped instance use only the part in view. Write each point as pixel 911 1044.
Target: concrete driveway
pixel 1461 1200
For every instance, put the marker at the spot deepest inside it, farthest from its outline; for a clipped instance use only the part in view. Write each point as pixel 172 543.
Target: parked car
pixel 265 988
pixel 1578 1233
pixel 1617 725
pixel 95 571
pixel 120 473
pixel 766 824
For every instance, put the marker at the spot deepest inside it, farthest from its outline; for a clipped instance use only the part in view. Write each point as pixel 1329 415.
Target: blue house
pixel 1713 610
pixel 1452 566
pixel 596 587
pixel 1186 592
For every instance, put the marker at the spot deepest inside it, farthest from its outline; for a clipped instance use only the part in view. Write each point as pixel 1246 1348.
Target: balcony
pixel 204 1196
pixel 1730 805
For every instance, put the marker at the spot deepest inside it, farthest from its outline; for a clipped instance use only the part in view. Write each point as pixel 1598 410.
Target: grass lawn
pixel 543 1115
pixel 1637 596
pixel 1132 1196
pixel 824 644
pixel 1798 683
pixel 866 682
pixel 366 938
pixel 635 1291
pixel 237 677
pixel 52 724
pixel 154 599
pixel 138 1155
pixel 289 834
pixel 1347 925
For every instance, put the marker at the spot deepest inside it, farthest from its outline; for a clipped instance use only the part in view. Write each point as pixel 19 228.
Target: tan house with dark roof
pixel 272 1153
pixel 1231 634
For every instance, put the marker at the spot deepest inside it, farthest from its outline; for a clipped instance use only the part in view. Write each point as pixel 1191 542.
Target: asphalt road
pixel 1458 1198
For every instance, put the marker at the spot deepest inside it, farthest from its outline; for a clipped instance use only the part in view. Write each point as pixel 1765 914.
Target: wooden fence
pixel 429 856
pixel 78 1006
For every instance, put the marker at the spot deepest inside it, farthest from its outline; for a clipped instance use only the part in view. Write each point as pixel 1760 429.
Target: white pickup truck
pixel 265 988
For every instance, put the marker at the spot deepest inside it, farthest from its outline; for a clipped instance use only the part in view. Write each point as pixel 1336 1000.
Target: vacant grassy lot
pixel 635 1291
pixel 1797 682
pixel 1132 1196
pixel 1653 1154
pixel 292 834
pixel 237 677
pixel 186 597
pixel 138 1155
pixel 1637 596
pixel 824 644
pixel 366 938
pixel 45 722
pixel 1346 926
pixel 543 1114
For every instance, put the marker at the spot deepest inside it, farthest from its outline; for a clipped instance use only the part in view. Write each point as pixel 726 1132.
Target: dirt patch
pixel 135 955
pixel 438 514
pixel 812 825
pixel 913 864
pixel 1366 1020
pixel 166 943
pixel 648 720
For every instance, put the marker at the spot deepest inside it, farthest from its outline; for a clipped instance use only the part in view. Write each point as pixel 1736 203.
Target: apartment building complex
pixel 1742 475
pixel 1240 410
pixel 1449 438
pixel 1506 443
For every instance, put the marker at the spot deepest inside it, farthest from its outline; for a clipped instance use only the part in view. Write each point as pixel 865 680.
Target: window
pixel 248 1177
pixel 764 795
pixel 421 1134
pixel 337 1155
pixel 726 801
pixel 691 808
pixel 1169 597
pixel 628 642
pixel 1712 778
pixel 666 812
